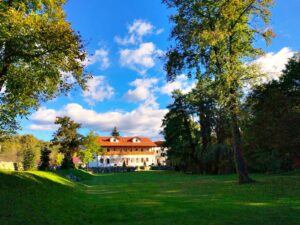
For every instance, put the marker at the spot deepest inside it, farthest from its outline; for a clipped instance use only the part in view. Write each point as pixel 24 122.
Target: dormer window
pixel 136 140
pixel 113 139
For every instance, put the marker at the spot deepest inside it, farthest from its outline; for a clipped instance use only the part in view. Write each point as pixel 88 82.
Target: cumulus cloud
pixel 136 31
pixel 100 56
pixel 182 82
pixel 143 121
pixel 273 63
pixel 141 59
pixel 142 90
pixel 97 90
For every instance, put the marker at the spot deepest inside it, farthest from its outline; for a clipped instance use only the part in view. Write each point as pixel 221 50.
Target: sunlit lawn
pixel 154 198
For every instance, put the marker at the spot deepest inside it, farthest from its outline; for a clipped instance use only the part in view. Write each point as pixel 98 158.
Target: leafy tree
pixel 13 146
pixel 217 37
pixel 115 132
pixel 39 53
pixel 45 159
pixel 91 147
pixel 28 159
pixel 86 156
pixel 59 159
pixel 274 107
pixel 68 139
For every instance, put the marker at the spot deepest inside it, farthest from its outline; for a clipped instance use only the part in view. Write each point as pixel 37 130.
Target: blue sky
pixel 124 40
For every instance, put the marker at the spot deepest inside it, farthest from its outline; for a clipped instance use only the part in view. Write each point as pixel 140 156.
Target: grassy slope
pixel 165 198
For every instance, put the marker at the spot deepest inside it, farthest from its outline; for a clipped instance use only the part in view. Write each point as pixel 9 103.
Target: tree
pixel 91 147
pixel 39 55
pixel 217 37
pixel 45 159
pixel 274 106
pixel 115 132
pixel 28 159
pixel 13 146
pixel 68 139
pixel 180 134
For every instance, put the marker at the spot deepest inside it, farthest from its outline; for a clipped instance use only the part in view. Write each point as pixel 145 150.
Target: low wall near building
pixel 112 169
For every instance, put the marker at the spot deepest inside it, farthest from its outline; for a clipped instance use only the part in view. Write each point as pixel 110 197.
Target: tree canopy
pixel 68 139
pixel 215 39
pixel 41 56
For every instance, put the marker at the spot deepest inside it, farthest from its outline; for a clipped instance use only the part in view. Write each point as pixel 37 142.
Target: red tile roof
pixel 126 142
pixel 159 143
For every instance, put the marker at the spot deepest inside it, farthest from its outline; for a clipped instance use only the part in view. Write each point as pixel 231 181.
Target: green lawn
pixel 154 198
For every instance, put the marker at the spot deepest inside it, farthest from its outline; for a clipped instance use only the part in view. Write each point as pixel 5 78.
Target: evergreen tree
pixel 45 159
pixel 274 106
pixel 115 132
pixel 68 139
pixel 28 159
pixel 180 134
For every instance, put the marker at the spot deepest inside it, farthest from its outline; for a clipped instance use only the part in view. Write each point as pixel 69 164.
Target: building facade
pixel 125 151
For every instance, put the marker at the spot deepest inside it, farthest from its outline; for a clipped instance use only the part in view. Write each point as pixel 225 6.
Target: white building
pixel 129 151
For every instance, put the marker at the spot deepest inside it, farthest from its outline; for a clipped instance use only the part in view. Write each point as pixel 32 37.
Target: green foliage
pixel 45 159
pixel 179 131
pixel 28 159
pixel 13 146
pixel 218 159
pixel 214 40
pixel 115 132
pixel 39 54
pixel 90 147
pixel 273 120
pixel 68 140
pixel 86 156
pixel 59 158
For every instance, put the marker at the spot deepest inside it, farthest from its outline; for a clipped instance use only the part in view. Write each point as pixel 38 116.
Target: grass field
pixel 154 198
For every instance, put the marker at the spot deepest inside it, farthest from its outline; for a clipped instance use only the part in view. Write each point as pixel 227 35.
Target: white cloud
pixel 136 31
pixel 141 59
pixel 272 63
pixel 97 90
pixel 182 82
pixel 143 121
pixel 100 56
pixel 142 91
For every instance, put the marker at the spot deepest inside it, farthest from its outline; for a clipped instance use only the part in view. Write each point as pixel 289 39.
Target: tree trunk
pixel 240 163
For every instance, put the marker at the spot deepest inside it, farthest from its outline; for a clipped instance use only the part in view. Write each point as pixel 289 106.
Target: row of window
pixel 137 160
pixel 125 150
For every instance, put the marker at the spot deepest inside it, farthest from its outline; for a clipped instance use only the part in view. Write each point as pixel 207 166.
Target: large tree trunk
pixel 240 163
pixel 205 138
pixel 205 130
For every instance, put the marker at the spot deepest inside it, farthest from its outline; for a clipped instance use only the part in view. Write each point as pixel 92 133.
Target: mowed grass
pixel 154 198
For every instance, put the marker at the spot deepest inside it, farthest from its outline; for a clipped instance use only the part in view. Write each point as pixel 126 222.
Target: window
pixel 107 161
pixel 101 160
pixel 147 160
pixel 136 140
